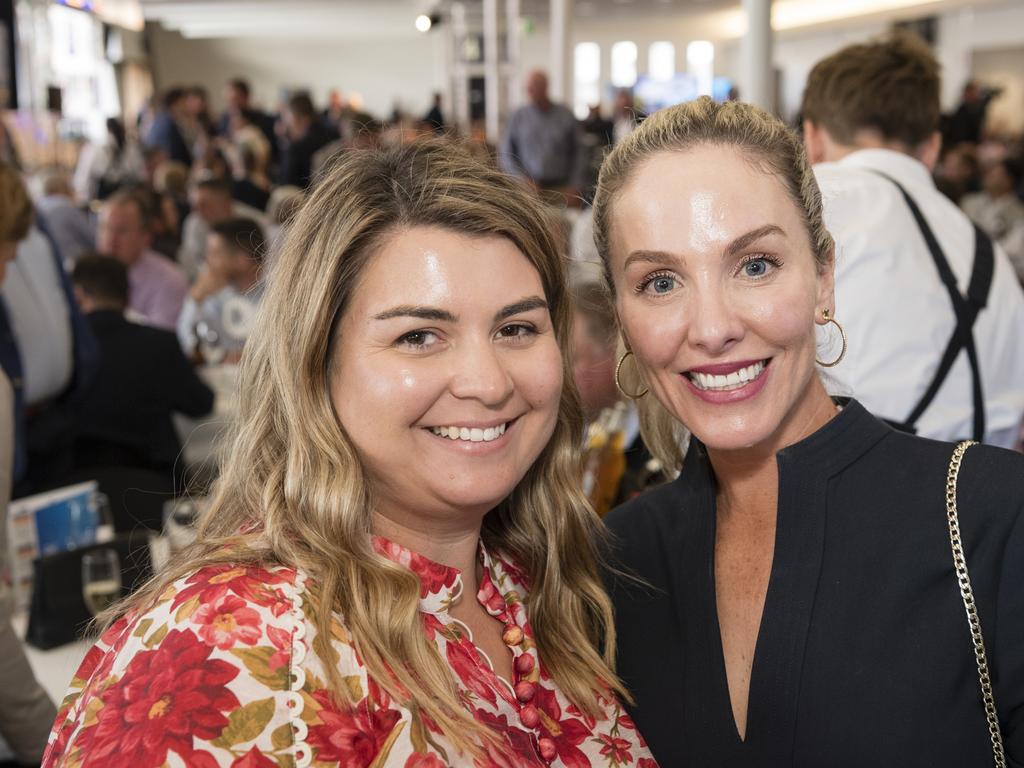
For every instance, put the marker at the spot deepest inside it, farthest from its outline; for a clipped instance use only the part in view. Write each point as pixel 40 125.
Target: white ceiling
pixel 393 19
pixel 347 19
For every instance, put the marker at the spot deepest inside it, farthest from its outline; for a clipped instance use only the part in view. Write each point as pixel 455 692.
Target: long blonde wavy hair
pixel 768 143
pixel 294 479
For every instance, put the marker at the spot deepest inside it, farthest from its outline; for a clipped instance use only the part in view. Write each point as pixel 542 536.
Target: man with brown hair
pixel 931 309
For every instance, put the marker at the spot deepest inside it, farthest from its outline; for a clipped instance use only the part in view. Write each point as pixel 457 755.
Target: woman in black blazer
pixel 797 603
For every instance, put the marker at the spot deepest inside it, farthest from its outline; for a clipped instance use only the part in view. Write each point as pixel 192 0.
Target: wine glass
pixel 101 579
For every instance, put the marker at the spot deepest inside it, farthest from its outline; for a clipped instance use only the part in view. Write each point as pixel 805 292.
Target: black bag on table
pixel 57 614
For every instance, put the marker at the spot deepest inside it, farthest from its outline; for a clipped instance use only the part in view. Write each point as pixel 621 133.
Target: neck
pixel 748 478
pixel 451 545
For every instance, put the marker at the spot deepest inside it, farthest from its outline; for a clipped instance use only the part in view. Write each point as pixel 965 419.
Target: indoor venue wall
pixel 384 72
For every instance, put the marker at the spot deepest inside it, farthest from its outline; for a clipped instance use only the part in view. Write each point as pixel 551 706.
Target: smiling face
pixel 718 292
pixel 446 374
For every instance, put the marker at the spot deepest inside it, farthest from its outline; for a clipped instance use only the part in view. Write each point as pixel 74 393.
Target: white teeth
pixel 734 380
pixel 470 434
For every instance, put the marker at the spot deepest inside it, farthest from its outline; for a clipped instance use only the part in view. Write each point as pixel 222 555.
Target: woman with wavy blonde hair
pixel 397 567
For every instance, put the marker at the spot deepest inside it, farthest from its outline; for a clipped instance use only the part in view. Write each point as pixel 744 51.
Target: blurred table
pixel 53 668
pixel 203 439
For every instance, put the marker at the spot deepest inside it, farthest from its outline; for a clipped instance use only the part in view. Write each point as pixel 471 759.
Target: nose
pixel 714 322
pixel 481 373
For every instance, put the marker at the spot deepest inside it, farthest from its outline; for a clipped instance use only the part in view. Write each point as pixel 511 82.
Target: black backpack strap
pixel 966 310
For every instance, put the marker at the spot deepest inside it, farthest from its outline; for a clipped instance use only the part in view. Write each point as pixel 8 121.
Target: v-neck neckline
pixel 805 469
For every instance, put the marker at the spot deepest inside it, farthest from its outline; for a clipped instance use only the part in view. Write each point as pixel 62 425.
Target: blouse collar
pixel 440 585
pixel 833 447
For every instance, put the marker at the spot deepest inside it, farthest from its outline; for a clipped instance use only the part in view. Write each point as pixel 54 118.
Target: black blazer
pixel 143 378
pixel 864 656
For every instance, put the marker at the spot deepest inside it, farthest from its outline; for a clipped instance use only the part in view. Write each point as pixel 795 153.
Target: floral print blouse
pixel 222 672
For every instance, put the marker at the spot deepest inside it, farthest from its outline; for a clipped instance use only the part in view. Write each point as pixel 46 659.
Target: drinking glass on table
pixel 101 579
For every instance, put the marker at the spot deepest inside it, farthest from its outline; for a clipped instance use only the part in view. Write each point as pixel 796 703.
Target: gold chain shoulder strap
pixel 964 579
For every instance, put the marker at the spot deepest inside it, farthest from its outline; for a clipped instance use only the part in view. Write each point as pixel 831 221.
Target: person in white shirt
pixel 211 203
pixel 871 118
pixel 999 211
pixel 221 305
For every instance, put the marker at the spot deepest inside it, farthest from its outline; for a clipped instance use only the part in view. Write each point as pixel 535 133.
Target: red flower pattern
pixel 228 621
pixel 165 698
pixel 419 760
pixel 434 577
pixel 354 738
pixel 210 686
pixel 254 759
pixel 615 749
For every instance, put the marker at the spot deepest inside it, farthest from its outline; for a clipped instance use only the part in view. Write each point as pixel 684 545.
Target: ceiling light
pixel 423 22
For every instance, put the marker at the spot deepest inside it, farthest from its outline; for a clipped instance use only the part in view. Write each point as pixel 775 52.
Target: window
pixel 624 64
pixel 661 61
pixel 700 62
pixel 586 78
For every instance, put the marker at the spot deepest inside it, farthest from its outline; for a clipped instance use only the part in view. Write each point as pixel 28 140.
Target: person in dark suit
pixel 305 135
pixel 801 597
pixel 143 378
pixel 165 132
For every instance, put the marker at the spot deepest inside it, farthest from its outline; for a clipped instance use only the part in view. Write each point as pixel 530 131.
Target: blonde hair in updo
pixel 295 480
pixel 767 142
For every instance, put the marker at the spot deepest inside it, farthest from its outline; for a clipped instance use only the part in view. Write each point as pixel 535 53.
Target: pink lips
pixel 727 397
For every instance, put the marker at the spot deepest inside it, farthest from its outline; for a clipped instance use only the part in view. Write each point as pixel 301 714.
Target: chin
pixel 731 433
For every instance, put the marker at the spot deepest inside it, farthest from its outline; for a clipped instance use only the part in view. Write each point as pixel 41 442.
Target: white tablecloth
pixel 203 439
pixel 54 668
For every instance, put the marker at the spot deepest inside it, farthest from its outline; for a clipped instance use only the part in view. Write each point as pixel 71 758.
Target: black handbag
pixel 57 613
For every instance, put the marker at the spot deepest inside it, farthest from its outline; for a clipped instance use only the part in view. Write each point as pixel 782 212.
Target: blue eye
pixel 755 268
pixel 759 266
pixel 658 284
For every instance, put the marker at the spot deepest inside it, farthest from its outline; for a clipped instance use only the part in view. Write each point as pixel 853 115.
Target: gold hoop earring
pixel 618 384
pixel 826 315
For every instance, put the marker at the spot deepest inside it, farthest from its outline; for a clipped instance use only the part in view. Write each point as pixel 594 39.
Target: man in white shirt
pixel 221 305
pixel 871 118
pixel 212 203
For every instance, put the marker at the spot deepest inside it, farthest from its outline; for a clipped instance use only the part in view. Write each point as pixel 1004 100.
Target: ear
pixel 815 141
pixel 826 298
pixel 928 151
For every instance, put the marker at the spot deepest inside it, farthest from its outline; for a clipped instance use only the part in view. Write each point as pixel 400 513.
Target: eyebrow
pixel 423 313
pixel 525 305
pixel 737 245
pixel 444 316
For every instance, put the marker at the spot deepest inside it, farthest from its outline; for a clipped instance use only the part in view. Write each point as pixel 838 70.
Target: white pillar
pixel 491 73
pixel 459 75
pixel 757 78
pixel 560 76
pixel 513 80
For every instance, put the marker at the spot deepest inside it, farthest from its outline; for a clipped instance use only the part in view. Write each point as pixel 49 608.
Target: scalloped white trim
pixel 302 754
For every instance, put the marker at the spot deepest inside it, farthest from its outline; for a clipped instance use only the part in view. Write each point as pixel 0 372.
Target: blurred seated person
pixel 170 127
pixel 225 296
pixel 143 377
pixel 250 185
pixel 958 173
pixel 594 339
pixel 283 205
pixel 304 135
pixel 212 203
pixel 46 348
pixel 68 225
pixel 238 98
pixel 104 167
pixel 158 285
pixel 998 210
pixel 26 712
pixel 435 117
pixel 170 182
